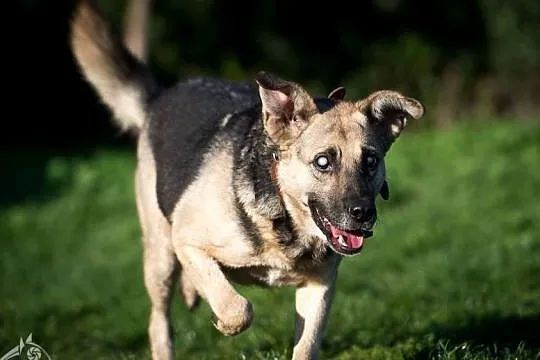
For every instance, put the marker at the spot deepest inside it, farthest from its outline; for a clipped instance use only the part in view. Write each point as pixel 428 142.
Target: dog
pixel 254 182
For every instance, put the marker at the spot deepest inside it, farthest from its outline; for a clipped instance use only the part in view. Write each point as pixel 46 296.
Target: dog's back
pixel 124 83
pixel 181 121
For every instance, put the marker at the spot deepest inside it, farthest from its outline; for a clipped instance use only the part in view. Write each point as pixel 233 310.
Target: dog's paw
pixel 189 293
pixel 237 318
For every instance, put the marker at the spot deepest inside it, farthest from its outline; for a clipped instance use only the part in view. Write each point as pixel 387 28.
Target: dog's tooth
pixel 342 241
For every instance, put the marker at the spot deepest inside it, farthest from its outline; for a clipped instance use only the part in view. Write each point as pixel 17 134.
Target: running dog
pixel 255 182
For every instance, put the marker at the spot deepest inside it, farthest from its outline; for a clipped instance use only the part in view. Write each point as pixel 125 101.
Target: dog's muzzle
pixel 342 241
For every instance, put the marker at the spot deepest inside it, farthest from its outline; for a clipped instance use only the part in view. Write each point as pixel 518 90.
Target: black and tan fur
pixel 255 183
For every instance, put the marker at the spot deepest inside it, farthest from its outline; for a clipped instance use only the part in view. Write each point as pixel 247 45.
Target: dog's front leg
pixel 313 303
pixel 233 313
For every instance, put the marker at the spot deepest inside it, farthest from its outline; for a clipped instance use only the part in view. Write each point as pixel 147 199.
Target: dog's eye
pixel 322 162
pixel 371 162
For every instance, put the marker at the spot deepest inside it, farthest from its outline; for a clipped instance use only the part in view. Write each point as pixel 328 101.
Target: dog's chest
pixel 275 271
pixel 265 276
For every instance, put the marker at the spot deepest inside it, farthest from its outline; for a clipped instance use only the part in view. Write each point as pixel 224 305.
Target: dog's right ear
pixel 286 107
pixel 337 94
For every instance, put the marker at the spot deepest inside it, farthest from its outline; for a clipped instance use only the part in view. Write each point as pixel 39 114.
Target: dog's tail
pixel 120 79
pixel 136 28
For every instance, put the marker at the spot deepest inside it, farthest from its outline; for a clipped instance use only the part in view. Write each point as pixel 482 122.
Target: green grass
pixel 453 271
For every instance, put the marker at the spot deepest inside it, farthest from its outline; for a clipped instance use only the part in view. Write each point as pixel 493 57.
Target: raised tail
pixel 136 28
pixel 121 80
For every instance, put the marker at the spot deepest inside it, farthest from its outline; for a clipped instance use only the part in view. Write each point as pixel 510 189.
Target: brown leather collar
pixel 274 173
pixel 273 166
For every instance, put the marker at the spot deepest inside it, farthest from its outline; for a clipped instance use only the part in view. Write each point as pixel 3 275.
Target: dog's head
pixel 331 156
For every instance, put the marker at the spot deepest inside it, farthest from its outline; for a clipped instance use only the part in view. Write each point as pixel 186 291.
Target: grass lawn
pixel 453 271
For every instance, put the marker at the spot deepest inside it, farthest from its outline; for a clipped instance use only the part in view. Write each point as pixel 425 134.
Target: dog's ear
pixel 337 94
pixel 385 191
pixel 286 107
pixel 392 110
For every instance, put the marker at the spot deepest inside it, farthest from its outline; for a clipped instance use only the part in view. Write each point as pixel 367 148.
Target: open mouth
pixel 344 242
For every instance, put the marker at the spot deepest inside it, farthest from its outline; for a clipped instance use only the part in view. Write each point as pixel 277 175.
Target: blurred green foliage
pixel 462 58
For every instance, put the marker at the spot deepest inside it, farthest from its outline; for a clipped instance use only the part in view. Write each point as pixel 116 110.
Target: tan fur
pixel 160 265
pixel 313 303
pixel 277 123
pixel 216 232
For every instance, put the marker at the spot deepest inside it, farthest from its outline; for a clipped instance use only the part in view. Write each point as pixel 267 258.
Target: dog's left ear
pixel 287 107
pixel 385 191
pixel 392 110
pixel 337 94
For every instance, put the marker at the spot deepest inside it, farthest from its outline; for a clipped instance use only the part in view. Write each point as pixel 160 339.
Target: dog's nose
pixel 364 212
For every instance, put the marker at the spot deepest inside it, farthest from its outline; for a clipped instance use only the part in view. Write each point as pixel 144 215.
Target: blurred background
pixel 466 59
pixel 455 274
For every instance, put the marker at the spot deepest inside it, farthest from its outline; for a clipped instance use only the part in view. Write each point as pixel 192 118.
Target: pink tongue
pixel 353 241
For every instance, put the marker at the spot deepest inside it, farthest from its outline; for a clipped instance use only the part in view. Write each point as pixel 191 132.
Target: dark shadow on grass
pixel 509 331
pixel 24 178
pixel 25 172
pixel 492 334
pixel 60 115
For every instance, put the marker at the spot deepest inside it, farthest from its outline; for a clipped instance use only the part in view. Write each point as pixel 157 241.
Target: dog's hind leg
pixel 160 270
pixel 160 264
pixel 188 291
